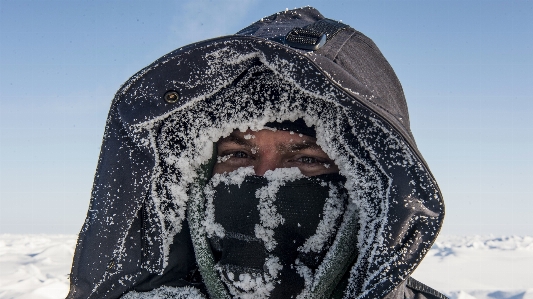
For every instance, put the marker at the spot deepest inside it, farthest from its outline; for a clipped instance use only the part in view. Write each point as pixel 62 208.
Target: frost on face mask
pixel 165 292
pixel 333 209
pixel 252 285
pixel 370 155
pixel 235 178
pixel 269 216
pixel 257 225
pixel 245 267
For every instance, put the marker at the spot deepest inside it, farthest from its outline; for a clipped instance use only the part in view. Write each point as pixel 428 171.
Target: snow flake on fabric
pixel 166 292
pixel 253 285
pixel 333 209
pixel 269 216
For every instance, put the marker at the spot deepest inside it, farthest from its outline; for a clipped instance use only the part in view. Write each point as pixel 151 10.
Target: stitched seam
pixel 342 46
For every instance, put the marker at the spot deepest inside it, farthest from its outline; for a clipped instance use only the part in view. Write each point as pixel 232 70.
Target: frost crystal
pixel 252 285
pixel 165 292
pixel 233 178
pixel 270 218
pixel 333 209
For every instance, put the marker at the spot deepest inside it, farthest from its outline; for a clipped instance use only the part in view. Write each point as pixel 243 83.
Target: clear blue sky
pixel 466 67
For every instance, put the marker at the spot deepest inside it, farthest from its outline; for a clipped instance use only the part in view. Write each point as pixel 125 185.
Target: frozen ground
pixel 480 267
pixel 36 266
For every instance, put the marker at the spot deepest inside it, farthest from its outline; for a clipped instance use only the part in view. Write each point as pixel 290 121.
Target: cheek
pixel 217 169
pixel 313 171
pixel 231 165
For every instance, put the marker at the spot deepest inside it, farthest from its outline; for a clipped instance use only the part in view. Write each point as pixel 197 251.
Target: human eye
pixel 308 160
pixel 239 154
pixel 232 157
pixel 311 165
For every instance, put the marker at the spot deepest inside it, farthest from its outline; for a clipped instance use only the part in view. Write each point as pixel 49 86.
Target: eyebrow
pixel 236 139
pixel 294 147
pixel 291 147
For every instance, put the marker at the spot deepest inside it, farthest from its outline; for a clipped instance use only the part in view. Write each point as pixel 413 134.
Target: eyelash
pixel 234 154
pixel 226 156
pixel 302 160
pixel 305 160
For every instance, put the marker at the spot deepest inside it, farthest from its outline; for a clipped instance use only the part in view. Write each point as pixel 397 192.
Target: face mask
pixel 269 234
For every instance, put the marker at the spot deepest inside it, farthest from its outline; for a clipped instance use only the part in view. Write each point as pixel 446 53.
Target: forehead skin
pixel 268 150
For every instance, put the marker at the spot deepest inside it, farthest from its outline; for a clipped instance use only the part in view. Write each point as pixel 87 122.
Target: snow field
pixel 474 267
pixel 35 266
pixel 480 267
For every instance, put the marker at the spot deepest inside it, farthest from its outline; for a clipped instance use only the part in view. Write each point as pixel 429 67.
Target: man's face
pixel 268 150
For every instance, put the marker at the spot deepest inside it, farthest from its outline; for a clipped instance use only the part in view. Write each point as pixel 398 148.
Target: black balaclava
pixel 270 233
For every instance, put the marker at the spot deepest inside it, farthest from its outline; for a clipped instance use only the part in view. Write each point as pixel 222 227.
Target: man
pixel 274 163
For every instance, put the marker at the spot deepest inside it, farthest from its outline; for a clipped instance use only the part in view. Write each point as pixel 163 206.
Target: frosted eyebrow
pixel 293 147
pixel 235 139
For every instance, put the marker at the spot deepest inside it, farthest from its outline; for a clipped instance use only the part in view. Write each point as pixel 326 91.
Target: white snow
pixel 166 292
pixel 235 177
pixel 252 285
pixel 480 267
pixel 37 266
pixel 268 213
pixel 332 211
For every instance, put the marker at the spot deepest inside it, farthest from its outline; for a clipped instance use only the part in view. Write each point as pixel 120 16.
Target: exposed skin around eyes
pixel 268 150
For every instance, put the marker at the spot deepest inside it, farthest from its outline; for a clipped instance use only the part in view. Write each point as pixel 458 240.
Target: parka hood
pixel 160 133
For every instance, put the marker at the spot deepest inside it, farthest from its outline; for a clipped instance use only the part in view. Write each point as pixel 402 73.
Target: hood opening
pixel 379 168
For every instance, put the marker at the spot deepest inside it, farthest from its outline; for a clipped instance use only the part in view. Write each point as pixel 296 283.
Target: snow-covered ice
pixel 480 267
pixel 37 266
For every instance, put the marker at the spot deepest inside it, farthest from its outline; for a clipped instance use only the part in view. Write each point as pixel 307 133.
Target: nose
pixel 266 162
